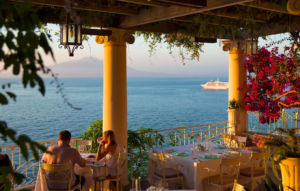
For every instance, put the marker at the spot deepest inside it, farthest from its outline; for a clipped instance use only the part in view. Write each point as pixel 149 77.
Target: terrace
pixel 189 23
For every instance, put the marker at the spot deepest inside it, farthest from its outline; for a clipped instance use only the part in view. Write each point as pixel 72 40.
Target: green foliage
pixel 173 138
pixel 269 185
pixel 5 173
pixel 20 46
pixel 188 50
pixel 283 147
pixel 22 38
pixel 93 132
pixel 139 145
pixel 234 104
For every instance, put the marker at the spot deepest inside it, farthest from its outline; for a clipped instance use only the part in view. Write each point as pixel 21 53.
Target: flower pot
pixel 290 173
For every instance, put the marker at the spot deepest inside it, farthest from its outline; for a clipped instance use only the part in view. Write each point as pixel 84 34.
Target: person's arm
pixel 78 159
pixel 46 155
pixel 110 149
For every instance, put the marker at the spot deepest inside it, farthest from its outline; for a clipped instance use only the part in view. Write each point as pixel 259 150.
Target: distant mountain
pixel 93 68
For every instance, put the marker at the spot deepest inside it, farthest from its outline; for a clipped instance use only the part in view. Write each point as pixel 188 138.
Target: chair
pixel 229 169
pixel 86 144
pixel 239 141
pixel 257 169
pixel 120 165
pixel 59 177
pixel 237 187
pixel 226 138
pixel 158 162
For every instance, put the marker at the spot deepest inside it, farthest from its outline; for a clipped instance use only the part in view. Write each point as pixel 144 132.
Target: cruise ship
pixel 215 85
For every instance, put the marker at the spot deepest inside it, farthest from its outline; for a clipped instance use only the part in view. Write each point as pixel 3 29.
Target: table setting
pixel 193 158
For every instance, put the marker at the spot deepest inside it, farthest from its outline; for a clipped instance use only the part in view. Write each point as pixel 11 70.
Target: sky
pixel 213 61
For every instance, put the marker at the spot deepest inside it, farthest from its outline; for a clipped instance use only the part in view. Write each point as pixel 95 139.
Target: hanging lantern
pixel 70 35
pixel 251 45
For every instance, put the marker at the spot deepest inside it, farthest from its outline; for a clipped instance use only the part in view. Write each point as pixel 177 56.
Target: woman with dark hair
pixel 4 161
pixel 108 151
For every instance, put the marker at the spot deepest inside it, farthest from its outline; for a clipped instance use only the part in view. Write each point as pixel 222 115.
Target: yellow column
pixel 237 77
pixel 115 86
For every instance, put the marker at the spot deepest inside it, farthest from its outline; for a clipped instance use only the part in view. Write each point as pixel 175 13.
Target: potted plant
pixel 234 108
pixel 286 156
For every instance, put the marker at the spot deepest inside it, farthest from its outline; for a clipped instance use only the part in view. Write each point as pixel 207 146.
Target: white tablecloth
pixel 193 170
pixel 87 172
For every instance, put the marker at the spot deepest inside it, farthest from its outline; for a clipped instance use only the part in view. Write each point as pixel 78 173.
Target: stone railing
pixel 31 167
pixel 190 134
pixel 286 119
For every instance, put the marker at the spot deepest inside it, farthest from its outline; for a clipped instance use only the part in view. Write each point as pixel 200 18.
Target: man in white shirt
pixel 62 153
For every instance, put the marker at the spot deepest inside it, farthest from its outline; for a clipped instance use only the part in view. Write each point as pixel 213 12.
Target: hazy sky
pixel 213 62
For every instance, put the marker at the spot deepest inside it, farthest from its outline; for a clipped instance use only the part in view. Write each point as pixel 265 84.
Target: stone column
pixel 237 77
pixel 115 85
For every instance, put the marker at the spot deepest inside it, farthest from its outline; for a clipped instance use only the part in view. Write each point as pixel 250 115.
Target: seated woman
pixel 108 152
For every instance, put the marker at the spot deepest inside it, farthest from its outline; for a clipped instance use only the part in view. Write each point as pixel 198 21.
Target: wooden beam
pixel 164 28
pixel 266 6
pixel 61 3
pixel 205 40
pixel 182 19
pixel 96 32
pixel 189 3
pixel 228 15
pixel 146 2
pixel 169 28
pixel 278 29
pixel 155 14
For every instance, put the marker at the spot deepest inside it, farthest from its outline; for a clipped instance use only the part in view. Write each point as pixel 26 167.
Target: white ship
pixel 215 85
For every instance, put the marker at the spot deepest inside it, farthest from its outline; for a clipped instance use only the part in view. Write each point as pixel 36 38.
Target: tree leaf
pixel 11 95
pixel 3 99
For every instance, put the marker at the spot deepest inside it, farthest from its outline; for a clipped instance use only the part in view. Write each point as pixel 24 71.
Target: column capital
pixel 234 46
pixel 119 37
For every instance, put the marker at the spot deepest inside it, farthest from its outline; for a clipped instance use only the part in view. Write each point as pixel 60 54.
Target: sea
pixel 158 103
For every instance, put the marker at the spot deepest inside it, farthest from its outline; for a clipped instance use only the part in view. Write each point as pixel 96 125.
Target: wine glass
pixel 99 140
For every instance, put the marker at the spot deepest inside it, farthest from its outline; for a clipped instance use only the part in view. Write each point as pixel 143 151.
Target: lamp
pixel 70 35
pixel 251 45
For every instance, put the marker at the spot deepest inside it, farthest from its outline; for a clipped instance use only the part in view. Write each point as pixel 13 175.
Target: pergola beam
pixel 279 29
pixel 146 2
pixel 189 3
pixel 61 3
pixel 231 16
pixel 266 6
pixel 182 19
pixel 155 14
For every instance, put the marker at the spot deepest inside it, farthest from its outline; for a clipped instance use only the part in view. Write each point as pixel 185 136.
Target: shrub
pixel 93 132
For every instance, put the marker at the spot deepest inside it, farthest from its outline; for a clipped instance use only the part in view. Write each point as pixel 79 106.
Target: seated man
pixel 63 153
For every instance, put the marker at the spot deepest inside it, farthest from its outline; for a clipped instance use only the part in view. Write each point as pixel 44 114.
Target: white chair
pixel 229 170
pixel 239 141
pixel 59 177
pixel 84 145
pixel 257 169
pixel 158 162
pixel 120 166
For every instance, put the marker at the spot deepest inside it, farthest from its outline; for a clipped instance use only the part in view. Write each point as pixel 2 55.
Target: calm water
pixel 152 102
